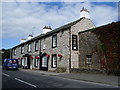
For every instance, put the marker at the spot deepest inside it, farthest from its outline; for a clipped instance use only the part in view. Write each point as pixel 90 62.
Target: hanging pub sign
pixel 31 57
pixel 47 55
pixel 18 58
pixel 60 55
pixel 37 57
pixel 74 42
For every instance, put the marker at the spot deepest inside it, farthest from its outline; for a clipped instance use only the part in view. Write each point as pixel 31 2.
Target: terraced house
pixel 56 49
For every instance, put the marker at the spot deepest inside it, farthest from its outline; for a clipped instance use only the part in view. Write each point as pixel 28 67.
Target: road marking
pixel 6 74
pixel 25 82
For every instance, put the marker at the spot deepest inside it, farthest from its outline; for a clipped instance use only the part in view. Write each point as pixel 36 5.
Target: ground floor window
pixel 54 60
pixel 24 62
pixel 44 61
pixel 36 61
pixel 89 59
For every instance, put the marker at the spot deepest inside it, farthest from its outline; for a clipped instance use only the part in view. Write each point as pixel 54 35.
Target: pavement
pixel 96 78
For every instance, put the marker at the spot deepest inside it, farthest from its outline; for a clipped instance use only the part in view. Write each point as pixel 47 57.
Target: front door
pixel 28 62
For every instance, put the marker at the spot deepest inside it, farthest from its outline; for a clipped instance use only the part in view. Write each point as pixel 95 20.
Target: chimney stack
pixel 47 29
pixel 23 40
pixel 84 13
pixel 30 36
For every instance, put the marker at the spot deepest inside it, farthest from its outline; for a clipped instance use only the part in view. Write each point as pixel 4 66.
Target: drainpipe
pixel 70 50
pixel 39 53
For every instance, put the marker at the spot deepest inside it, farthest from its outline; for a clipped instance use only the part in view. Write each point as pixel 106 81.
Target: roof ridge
pixel 53 31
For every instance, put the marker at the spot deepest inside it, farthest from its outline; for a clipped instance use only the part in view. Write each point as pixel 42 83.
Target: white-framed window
pixel 36 62
pixel 54 41
pixel 24 62
pixel 29 47
pixel 22 49
pixel 44 46
pixel 54 60
pixel 89 59
pixel 15 52
pixel 36 45
pixel 44 61
pixel 74 42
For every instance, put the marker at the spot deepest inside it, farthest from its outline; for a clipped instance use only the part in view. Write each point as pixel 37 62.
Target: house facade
pixel 99 49
pixel 54 50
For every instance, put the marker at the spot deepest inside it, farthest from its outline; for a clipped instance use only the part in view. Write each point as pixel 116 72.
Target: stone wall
pixel 62 48
pixel 82 25
pixel 89 45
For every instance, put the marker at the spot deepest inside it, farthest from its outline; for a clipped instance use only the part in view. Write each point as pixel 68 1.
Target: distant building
pixel 56 49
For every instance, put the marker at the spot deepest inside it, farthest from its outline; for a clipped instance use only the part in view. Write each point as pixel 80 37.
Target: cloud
pixel 104 14
pixel 22 18
pixel 60 0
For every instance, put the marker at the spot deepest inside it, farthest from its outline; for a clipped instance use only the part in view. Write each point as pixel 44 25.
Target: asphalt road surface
pixel 27 79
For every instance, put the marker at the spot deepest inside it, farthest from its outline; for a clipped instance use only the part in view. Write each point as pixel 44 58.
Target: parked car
pixel 10 64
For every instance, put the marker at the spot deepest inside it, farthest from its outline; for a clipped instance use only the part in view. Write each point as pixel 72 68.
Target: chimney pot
pixel 47 29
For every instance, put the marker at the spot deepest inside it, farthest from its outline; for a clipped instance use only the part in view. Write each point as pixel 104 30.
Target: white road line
pixel 25 82
pixel 6 74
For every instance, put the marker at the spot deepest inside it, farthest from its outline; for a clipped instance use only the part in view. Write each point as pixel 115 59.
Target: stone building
pixel 99 50
pixel 56 49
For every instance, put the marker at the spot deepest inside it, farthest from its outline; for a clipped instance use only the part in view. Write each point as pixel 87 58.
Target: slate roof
pixel 64 27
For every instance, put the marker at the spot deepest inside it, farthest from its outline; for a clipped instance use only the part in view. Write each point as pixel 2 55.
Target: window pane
pixel 74 42
pixel 36 45
pixel 54 41
pixel 44 61
pixel 36 60
pixel 89 59
pixel 54 60
pixel 29 47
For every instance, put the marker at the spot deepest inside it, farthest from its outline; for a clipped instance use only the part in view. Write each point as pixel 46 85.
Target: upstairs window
pixel 74 42
pixel 89 59
pixel 54 60
pixel 36 45
pixel 14 51
pixel 44 44
pixel 22 49
pixel 29 47
pixel 54 41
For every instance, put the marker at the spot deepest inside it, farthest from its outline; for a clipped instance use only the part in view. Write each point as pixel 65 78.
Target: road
pixel 28 79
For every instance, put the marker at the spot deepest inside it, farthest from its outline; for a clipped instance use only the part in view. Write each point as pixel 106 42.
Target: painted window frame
pixel 36 45
pixel 44 45
pixel 89 59
pixel 29 47
pixel 15 52
pixel 22 49
pixel 36 62
pixel 74 42
pixel 53 64
pixel 54 41
pixel 44 61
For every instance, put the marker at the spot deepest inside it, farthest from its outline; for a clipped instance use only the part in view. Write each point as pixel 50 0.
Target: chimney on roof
pixel 47 29
pixel 22 40
pixel 30 36
pixel 84 13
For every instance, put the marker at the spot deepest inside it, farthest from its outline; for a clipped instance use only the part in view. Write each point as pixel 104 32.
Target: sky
pixel 19 19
